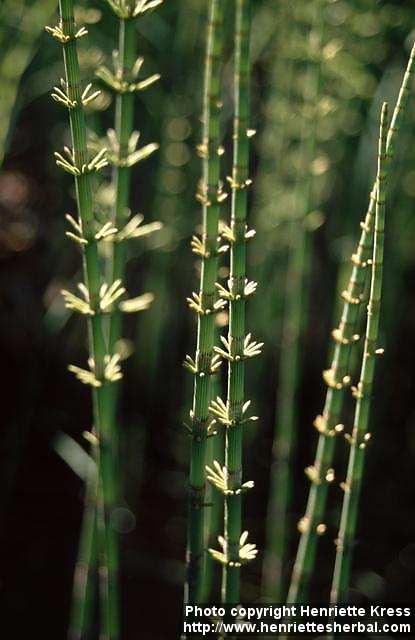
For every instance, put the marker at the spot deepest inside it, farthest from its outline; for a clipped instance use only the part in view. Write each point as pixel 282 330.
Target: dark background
pixel 41 496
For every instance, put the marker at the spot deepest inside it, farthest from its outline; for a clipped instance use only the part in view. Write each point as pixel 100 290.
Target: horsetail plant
pixel 122 155
pixel 83 582
pixel 337 380
pixel 206 363
pixel 96 297
pixel 360 435
pixel 236 551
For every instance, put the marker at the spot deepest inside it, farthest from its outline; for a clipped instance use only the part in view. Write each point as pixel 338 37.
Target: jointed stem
pixel 83 582
pixel 210 197
pixel 236 336
pixel 337 379
pixel 363 392
pixel 124 123
pixel 92 279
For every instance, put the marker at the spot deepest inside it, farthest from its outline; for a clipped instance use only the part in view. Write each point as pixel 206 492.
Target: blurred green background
pixel 319 77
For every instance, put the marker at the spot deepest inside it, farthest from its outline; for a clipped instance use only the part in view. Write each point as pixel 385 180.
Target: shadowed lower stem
pixel 337 378
pixel 83 594
pixel 363 391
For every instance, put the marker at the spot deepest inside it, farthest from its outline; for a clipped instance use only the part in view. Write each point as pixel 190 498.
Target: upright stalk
pixel 124 122
pixel 295 315
pixel 238 346
pixel 83 582
pixel 123 155
pixel 363 391
pixel 123 140
pixel 337 380
pixel 103 368
pixel 205 303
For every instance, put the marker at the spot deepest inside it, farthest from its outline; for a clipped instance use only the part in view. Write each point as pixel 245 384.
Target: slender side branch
pixel 363 391
pixel 206 303
pixel 337 379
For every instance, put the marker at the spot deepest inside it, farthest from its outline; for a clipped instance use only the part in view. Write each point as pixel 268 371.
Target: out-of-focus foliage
pixel 358 40
pixel 21 24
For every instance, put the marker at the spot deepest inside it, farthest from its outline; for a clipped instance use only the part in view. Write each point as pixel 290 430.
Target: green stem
pixel 336 378
pixel 363 392
pixel 92 277
pixel 124 123
pixel 206 325
pixel 103 573
pixel 236 336
pixel 295 317
pixel 83 583
pixel 214 518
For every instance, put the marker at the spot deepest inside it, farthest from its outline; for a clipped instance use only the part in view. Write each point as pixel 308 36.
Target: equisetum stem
pixel 124 123
pixel 337 380
pixel 83 582
pixel 124 120
pixel 363 391
pixel 236 336
pixel 295 315
pixel 67 34
pixel 208 250
pixel 214 516
pixel 102 561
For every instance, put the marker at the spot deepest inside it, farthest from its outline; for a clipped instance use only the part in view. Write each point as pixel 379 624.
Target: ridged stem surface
pixel 363 391
pixel 206 323
pixel 83 582
pixel 336 378
pixel 92 277
pixel 124 123
pixel 236 335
